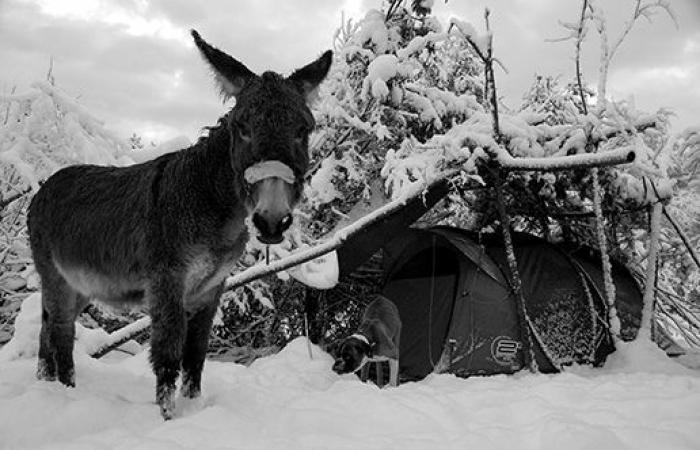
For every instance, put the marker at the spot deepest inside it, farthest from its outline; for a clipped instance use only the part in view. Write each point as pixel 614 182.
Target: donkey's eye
pixel 243 131
pixel 301 133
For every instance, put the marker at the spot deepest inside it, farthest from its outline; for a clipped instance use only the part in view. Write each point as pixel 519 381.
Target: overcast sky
pixel 132 63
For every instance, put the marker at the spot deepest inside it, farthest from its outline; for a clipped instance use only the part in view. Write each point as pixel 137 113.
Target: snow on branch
pixel 607 51
pixel 611 158
pixel 121 336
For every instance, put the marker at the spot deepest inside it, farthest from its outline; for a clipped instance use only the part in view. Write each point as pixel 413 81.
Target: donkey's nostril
pixel 260 223
pixel 285 222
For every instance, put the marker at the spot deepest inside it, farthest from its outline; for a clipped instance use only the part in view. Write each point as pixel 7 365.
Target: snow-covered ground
pixel 640 400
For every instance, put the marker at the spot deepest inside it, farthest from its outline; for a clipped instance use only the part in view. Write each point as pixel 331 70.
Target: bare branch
pixel 122 336
pixel 580 33
pixel 498 61
pixel 469 40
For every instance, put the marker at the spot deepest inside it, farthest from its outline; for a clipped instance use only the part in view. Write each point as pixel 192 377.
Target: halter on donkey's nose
pixel 272 215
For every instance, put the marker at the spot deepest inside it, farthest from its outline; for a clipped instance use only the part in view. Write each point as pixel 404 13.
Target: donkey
pixel 166 232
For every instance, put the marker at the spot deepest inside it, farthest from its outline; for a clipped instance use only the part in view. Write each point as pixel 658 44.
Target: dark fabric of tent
pixel 627 302
pixel 459 313
pixel 360 247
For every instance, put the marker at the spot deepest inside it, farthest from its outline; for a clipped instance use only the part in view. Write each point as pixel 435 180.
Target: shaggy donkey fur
pixel 166 232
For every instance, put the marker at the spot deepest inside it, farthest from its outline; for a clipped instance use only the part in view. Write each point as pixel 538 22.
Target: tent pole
pixel 515 283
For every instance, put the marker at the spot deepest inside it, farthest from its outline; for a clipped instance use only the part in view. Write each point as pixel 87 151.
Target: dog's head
pixel 351 355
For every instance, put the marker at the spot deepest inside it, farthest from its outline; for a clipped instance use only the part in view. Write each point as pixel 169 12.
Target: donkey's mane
pixel 211 131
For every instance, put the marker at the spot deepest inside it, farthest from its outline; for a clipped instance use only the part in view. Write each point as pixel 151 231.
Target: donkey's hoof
pixel 45 371
pixel 166 412
pixel 68 378
pixel 165 397
pixel 189 388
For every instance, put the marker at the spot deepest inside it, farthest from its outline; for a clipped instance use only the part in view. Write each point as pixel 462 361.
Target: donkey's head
pixel 269 126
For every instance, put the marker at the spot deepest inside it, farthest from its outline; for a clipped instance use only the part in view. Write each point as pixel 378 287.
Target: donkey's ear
pixel 310 76
pixel 230 74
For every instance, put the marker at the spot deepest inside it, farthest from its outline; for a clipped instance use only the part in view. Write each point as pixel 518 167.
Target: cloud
pixel 132 63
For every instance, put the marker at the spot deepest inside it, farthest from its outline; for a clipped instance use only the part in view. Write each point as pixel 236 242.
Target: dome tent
pixel 459 313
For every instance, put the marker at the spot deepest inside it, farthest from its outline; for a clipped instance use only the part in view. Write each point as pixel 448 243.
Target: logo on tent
pixel 504 350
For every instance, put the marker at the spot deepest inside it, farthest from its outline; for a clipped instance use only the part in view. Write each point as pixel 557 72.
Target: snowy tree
pixel 42 131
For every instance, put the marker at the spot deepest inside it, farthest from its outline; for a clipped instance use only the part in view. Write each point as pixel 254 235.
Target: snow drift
pixel 641 400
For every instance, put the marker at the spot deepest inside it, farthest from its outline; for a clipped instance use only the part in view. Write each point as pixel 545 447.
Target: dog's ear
pixel 333 348
pixel 368 349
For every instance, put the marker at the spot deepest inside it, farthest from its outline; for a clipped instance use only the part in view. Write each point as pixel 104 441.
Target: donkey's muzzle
pixel 272 215
pixel 271 226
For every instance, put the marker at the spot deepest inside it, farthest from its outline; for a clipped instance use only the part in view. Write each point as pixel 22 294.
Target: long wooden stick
pixel 515 280
pixel 581 161
pixel 683 236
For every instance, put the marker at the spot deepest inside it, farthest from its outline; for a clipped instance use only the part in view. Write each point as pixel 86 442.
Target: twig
pixel 491 79
pixel 49 75
pixel 607 52
pixel 7 200
pixel 579 40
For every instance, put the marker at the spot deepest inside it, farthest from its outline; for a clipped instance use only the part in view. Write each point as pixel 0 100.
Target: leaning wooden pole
pixel 683 236
pixel 613 319
pixel 515 280
pixel 647 328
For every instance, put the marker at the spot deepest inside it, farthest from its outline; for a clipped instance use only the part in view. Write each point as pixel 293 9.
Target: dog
pixel 376 340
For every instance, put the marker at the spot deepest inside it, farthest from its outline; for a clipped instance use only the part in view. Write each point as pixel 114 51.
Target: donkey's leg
pixel 63 336
pixel 60 306
pixel 46 366
pixel 196 345
pixel 167 339
pixel 53 296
